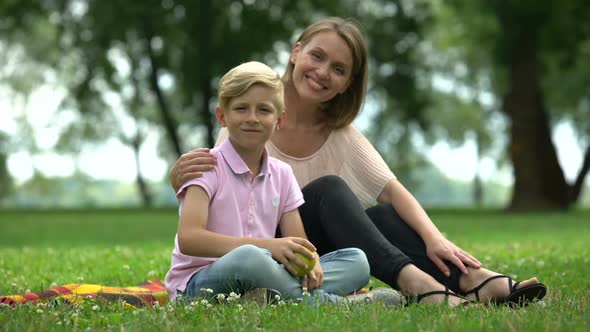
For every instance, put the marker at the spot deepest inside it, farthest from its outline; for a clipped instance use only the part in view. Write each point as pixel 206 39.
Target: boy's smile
pixel 251 118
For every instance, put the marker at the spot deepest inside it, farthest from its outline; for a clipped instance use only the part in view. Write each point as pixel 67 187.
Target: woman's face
pixel 322 67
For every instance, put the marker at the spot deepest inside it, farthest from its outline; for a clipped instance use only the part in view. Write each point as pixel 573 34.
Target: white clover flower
pixel 95 308
pixel 193 304
pixel 240 308
pixel 58 322
pixel 135 313
pixel 541 263
pixel 39 311
pixel 151 273
pixel 126 267
pixel 234 295
pixel 277 297
pixel 281 303
pixel 53 284
pixel 80 278
pixel 305 292
pixel 220 297
pixel 209 305
pixel 204 302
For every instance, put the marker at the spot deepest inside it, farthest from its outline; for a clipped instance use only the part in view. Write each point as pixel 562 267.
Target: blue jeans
pixel 248 267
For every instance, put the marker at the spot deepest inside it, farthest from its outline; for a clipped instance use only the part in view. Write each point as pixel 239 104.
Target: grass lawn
pixel 39 249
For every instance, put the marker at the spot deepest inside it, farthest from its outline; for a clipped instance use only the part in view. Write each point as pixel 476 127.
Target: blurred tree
pixel 6 183
pixel 523 49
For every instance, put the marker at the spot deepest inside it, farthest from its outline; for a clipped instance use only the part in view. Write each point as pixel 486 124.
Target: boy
pixel 228 217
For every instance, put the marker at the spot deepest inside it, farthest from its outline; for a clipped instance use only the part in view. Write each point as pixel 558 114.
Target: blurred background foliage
pixel 500 73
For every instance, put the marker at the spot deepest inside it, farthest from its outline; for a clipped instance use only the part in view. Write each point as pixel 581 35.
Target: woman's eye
pixel 316 55
pixel 340 70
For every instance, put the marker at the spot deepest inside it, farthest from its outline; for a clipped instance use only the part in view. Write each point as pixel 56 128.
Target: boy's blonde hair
pixel 239 79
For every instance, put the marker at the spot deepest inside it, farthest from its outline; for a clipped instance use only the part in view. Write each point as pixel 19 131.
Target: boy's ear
pixel 220 116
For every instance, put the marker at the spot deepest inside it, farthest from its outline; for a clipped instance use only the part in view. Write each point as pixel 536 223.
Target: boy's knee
pixel 250 257
pixel 360 268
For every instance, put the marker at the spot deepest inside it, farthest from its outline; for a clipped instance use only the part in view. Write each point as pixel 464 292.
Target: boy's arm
pixel 193 237
pixel 292 226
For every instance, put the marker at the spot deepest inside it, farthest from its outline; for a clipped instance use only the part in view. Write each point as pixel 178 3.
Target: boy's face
pixel 251 118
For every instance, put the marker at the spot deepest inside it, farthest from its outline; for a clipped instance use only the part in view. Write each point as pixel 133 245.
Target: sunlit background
pixel 86 86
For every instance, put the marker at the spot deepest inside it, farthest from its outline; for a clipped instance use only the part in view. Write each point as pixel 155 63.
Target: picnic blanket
pixel 144 294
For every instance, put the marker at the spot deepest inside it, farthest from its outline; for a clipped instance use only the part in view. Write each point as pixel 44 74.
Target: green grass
pixel 124 247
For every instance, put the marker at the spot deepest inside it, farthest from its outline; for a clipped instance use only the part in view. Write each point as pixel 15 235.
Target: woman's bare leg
pixel 495 289
pixel 413 281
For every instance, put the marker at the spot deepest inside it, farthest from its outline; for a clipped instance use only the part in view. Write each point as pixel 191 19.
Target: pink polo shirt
pixel 237 206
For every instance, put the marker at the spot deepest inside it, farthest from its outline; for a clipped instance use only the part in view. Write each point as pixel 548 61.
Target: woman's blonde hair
pixel 341 110
pixel 239 79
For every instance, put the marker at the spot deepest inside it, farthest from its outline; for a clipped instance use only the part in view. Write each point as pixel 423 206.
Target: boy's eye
pixel 265 110
pixel 316 55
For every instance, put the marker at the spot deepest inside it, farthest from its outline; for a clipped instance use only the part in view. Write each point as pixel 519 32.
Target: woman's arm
pixel 191 165
pixel 437 246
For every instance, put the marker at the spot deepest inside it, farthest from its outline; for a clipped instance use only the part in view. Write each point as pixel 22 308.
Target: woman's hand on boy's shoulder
pixel 191 165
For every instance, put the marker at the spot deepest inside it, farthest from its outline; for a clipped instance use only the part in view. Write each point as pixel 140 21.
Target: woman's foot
pixel 493 291
pixel 413 282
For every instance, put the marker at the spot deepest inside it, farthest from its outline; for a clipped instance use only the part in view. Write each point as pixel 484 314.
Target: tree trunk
pixel 539 182
pixel 168 119
pixel 477 183
pixel 576 188
pixel 203 34
pixel 146 197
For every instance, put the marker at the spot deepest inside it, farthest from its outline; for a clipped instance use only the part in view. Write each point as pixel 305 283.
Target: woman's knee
pixel 329 189
pixel 328 182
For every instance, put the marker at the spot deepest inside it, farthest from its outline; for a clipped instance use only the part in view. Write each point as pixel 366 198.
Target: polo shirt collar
pixel 236 163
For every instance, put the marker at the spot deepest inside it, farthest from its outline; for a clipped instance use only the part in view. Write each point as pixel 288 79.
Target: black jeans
pixel 334 218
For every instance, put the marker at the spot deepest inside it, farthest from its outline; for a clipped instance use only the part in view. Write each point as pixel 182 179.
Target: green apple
pixel 310 262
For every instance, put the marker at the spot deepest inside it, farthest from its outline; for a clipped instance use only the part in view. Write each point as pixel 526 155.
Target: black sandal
pixel 517 297
pixel 415 299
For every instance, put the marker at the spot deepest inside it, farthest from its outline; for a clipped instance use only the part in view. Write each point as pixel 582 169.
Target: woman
pixel 341 174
